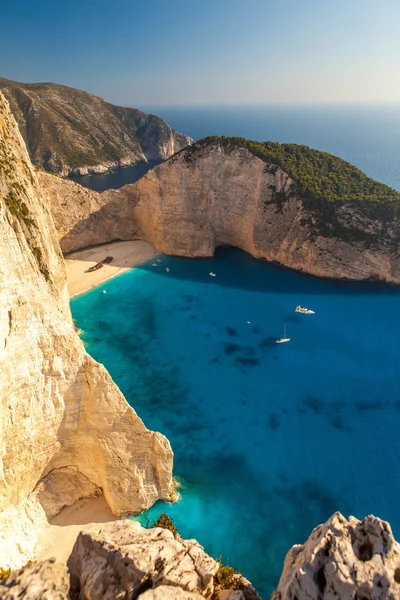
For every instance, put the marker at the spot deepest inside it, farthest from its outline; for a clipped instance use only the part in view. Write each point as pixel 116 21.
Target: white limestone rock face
pixel 122 560
pixel 217 195
pixel 343 560
pixel 61 415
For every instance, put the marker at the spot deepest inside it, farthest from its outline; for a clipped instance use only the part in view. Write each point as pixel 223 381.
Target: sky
pixel 207 52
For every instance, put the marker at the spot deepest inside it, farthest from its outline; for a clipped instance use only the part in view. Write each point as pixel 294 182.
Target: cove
pixel 269 440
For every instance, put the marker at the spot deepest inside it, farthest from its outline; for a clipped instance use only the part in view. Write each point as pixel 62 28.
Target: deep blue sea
pixel 269 439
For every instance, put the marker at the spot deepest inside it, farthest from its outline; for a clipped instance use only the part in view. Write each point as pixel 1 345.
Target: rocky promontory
pixel 287 204
pixel 70 131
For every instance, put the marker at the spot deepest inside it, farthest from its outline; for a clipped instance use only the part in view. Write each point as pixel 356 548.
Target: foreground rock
pixel 66 430
pixel 214 194
pixel 123 560
pixel 68 130
pixel 343 559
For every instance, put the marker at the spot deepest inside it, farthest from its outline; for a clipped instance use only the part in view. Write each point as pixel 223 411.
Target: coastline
pixel 125 256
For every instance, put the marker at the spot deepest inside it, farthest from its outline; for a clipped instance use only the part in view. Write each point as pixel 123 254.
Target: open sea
pixel 269 439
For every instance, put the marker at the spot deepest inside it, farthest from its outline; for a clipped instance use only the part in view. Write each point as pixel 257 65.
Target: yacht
pixel 303 310
pixel 284 339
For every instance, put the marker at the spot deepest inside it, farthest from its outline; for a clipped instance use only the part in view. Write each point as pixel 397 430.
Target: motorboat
pixel 304 311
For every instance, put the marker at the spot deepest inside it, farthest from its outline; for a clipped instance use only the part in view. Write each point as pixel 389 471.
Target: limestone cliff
pixel 218 193
pixel 71 131
pixel 66 431
pixel 344 559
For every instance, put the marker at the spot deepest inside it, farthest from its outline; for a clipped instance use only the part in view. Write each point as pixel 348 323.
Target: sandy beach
pixel 58 539
pixel 125 256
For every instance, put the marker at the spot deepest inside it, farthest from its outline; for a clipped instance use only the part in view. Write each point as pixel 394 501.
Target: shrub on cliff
pixel 165 522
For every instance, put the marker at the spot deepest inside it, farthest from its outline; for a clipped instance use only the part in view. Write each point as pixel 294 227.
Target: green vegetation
pixel 4 573
pixel 37 253
pixel 165 522
pixel 227 579
pixel 18 208
pixel 317 175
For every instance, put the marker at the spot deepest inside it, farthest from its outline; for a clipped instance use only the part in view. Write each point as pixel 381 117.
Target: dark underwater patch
pixel 232 348
pixel 273 421
pixel 337 423
pixel 231 332
pixel 248 362
pixel 314 403
pixel 256 330
pixel 365 406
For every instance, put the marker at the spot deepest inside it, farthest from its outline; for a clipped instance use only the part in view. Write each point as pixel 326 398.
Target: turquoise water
pixel 269 439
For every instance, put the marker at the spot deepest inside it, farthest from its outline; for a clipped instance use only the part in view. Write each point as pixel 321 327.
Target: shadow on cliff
pixel 235 268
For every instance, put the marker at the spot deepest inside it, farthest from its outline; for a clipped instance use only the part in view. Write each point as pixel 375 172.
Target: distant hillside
pixel 70 131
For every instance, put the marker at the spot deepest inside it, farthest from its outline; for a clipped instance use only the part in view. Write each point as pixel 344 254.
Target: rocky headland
pixel 70 131
pixel 287 204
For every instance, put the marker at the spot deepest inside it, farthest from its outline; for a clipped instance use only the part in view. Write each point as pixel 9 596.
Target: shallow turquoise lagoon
pixel 269 439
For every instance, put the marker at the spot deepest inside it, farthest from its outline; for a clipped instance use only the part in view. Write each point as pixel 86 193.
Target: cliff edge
pixel 66 430
pixel 288 204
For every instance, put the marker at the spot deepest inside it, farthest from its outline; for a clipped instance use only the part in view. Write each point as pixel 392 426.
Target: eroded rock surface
pixel 125 559
pixel 343 560
pixel 66 431
pixel 217 195
pixel 43 581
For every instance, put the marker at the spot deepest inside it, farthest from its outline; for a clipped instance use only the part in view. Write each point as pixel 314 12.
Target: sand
pixel 125 256
pixel 58 539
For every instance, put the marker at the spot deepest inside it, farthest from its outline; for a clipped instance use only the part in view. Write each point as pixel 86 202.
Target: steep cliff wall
pixel 220 194
pixel 66 431
pixel 68 130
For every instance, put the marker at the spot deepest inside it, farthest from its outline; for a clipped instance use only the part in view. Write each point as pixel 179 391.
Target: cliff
pixel 287 204
pixel 70 131
pixel 66 430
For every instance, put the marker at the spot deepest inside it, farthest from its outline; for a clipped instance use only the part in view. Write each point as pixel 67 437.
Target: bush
pixel 166 522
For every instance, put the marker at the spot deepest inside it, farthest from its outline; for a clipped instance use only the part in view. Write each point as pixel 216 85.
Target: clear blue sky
pixel 171 52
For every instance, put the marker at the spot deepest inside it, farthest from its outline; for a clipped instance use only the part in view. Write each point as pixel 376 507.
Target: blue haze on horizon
pixel 225 52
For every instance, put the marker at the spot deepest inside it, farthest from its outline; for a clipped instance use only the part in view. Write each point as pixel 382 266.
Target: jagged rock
pixel 122 559
pixel 168 592
pixel 343 560
pixel 68 130
pixel 62 417
pixel 43 581
pixel 213 195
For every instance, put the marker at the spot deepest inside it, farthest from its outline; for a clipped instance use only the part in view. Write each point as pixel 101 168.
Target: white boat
pixel 303 310
pixel 212 274
pixel 284 339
